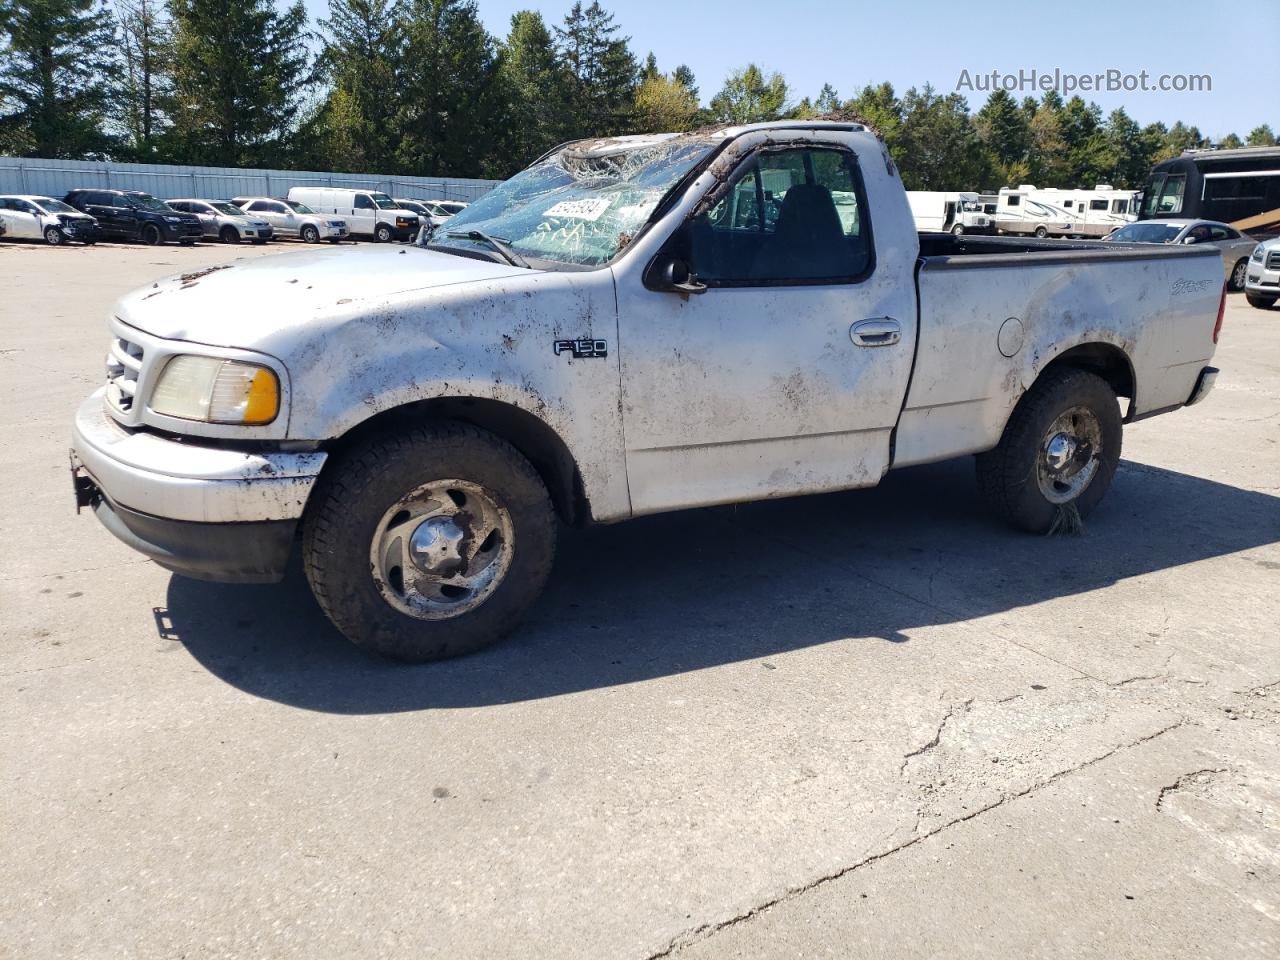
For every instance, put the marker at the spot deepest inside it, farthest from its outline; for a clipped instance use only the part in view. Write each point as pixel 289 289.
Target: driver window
pixel 791 216
pixel 363 202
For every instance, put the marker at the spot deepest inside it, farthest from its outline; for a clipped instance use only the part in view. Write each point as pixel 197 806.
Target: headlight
pixel 1257 253
pixel 174 219
pixel 217 391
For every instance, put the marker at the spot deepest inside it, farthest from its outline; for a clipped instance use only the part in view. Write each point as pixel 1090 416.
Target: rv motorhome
pixel 1095 212
pixel 956 213
pixel 1020 210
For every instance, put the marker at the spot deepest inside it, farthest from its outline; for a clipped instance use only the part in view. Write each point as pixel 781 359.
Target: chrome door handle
pixel 876 332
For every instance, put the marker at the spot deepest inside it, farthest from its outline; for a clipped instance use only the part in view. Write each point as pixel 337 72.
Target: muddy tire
pixel 428 543
pixel 1058 453
pixel 1262 303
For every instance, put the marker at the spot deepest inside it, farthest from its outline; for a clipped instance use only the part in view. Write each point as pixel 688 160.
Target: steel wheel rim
pixel 442 549
pixel 1069 455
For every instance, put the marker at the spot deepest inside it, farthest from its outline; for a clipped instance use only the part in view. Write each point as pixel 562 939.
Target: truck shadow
pixel 696 589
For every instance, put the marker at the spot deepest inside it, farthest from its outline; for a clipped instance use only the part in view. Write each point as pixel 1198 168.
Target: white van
pixel 948 212
pixel 368 213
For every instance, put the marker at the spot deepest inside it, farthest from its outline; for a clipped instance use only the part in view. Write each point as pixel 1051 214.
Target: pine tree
pixel 1004 130
pixel 239 69
pixel 749 97
pixel 1048 163
pixel 363 57
pixel 603 68
pixel 879 106
pixel 1129 153
pixel 1261 137
pixel 684 76
pixel 146 95
pixel 1230 142
pixel 1087 148
pixel 452 105
pixel 538 87
pixel 57 71
pixel 938 144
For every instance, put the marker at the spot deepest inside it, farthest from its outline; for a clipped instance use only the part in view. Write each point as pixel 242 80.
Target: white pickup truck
pixel 629 326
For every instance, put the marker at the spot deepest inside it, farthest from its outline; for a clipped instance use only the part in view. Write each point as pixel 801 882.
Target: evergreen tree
pixel 1128 151
pixel 938 145
pixel 1087 147
pixel 1261 137
pixel 879 107
pixel 603 68
pixel 684 76
pixel 538 87
pixel 57 75
pixel 363 56
pixel 750 97
pixel 1230 142
pixel 828 100
pixel 649 70
pixel 1004 129
pixel 146 87
pixel 1049 165
pixel 452 104
pixel 1179 138
pixel 239 67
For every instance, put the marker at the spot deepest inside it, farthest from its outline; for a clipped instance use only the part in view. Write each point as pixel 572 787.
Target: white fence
pixel 55 177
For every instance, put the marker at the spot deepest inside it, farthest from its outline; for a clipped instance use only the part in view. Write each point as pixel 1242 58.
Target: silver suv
pixel 228 223
pixel 291 219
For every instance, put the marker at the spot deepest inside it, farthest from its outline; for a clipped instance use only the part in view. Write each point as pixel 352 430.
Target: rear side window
pixel 257 205
pixel 789 217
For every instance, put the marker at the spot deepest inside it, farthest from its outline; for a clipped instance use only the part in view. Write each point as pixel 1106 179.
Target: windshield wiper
pixel 505 251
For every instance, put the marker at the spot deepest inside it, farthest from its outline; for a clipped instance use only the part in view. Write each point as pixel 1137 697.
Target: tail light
pixel 1222 308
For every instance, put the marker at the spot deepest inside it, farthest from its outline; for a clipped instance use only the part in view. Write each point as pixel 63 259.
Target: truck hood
pixel 242 303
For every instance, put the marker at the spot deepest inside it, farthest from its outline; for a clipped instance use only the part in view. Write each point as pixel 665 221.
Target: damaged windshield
pixel 582 205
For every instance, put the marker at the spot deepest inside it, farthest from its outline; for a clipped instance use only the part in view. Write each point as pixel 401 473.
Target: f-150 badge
pixel 583 348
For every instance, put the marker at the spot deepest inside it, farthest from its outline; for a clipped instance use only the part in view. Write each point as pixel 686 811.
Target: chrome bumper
pixel 185 480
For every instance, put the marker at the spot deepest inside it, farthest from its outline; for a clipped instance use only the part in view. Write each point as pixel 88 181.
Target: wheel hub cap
pixel 1069 455
pixel 435 546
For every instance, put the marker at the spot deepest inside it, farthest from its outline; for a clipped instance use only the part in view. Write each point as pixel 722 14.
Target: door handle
pixel 876 332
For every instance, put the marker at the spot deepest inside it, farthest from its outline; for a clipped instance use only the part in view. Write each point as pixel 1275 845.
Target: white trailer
pixel 1095 212
pixel 957 212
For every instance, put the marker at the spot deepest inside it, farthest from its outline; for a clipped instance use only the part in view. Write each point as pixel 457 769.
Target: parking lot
pixel 862 724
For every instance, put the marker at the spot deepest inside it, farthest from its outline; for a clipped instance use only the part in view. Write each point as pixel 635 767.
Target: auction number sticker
pixel 579 209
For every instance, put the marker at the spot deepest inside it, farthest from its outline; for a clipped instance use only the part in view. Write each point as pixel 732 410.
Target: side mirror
pixel 1188 239
pixel 674 275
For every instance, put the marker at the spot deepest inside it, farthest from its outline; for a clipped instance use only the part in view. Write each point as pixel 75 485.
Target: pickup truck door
pixel 787 374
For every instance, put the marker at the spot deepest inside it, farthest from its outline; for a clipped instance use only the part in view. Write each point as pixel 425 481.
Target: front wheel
pixel 383 233
pixel 1058 453
pixel 229 234
pixel 310 234
pixel 1041 233
pixel 958 230
pixel 151 235
pixel 1237 275
pixel 54 236
pixel 429 543
pixel 1261 302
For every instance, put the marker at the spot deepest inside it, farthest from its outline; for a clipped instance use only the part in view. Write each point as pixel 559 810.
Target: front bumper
pixel 204 511
pixel 1262 281
pixel 81 231
pixel 327 231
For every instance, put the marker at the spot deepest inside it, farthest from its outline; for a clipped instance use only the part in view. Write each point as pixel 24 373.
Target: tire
pixel 365 494
pixel 54 236
pixel 1236 283
pixel 1041 233
pixel 229 234
pixel 309 234
pixel 1010 478
pixel 382 233
pixel 958 230
pixel 1262 303
pixel 151 235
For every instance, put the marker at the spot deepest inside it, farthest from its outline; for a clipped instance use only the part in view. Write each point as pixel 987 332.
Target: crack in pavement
pixel 1194 776
pixel 708 930
pixel 937 734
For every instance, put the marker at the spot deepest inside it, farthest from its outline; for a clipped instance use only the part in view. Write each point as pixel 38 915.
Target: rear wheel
pixel 229 234
pixel 1261 302
pixel 1237 275
pixel 310 234
pixel 1041 233
pixel 54 236
pixel 1058 453
pixel 429 543
pixel 382 234
pixel 151 235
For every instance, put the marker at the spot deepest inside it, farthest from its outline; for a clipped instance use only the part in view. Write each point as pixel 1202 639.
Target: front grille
pixel 1273 260
pixel 124 363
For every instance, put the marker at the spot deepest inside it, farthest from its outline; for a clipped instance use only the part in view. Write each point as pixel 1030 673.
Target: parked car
pixel 450 207
pixel 368 213
pixel 1233 245
pixel 228 223
pixel 32 217
pixel 599 339
pixel 134 215
pixel 291 219
pixel 1262 282
pixel 427 211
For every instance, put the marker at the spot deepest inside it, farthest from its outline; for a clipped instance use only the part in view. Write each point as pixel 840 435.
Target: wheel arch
pixel 533 437
pixel 1107 360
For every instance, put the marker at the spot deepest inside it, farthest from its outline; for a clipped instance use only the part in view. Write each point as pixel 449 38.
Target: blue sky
pixel 849 43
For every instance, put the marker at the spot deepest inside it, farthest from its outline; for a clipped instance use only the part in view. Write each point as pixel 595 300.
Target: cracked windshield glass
pixel 580 206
